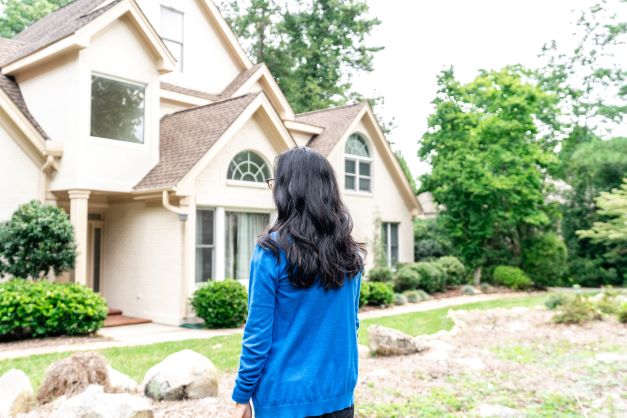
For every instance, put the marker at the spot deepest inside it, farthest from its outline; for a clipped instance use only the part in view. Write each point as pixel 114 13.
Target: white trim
pixel 219 220
pixel 271 88
pixel 241 183
pixel 182 98
pixel 302 127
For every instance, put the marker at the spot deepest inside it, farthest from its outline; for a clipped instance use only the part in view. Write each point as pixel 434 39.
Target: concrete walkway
pixel 143 334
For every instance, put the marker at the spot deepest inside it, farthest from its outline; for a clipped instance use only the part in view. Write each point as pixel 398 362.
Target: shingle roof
pixel 239 81
pixel 187 135
pixel 10 87
pixel 335 122
pixel 191 92
pixel 57 25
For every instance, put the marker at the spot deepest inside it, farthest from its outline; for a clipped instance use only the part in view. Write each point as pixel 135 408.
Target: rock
pixel 73 374
pixel 119 382
pixel 364 351
pixel 492 411
pixel 384 341
pixel 470 290
pixel 16 393
pixel 94 403
pixel 182 375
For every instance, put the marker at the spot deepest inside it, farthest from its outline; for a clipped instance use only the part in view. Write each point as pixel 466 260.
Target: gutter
pixel 165 200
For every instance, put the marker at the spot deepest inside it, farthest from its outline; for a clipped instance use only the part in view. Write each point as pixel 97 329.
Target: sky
pixel 423 37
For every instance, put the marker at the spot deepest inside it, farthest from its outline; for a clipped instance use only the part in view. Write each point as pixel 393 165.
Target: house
pixel 146 121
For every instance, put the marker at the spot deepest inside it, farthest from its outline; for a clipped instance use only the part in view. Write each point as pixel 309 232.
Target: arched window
pixel 357 165
pixel 248 166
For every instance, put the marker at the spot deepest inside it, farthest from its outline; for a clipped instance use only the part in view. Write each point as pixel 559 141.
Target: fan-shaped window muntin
pixel 248 166
pixel 357 165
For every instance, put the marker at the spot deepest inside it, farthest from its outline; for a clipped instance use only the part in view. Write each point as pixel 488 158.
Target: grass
pixel 224 351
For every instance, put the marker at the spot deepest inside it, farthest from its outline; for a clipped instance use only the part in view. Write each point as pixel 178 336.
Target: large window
pixel 357 165
pixel 204 245
pixel 248 166
pixel 172 33
pixel 389 240
pixel 117 109
pixel 242 230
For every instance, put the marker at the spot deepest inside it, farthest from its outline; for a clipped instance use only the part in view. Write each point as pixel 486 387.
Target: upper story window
pixel 172 33
pixel 117 109
pixel 357 165
pixel 248 166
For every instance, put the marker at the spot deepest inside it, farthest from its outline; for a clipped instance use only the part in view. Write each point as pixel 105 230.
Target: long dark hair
pixel 313 226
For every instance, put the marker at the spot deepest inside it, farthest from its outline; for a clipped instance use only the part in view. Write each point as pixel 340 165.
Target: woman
pixel 299 351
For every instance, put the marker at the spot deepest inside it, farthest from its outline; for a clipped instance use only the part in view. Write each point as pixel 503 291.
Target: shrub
pixel 454 270
pixel 431 276
pixel 470 290
pixel 607 301
pixel 486 288
pixel 406 278
pixel 430 239
pixel 379 294
pixel 380 274
pixel 622 314
pixel 364 293
pixel 43 308
pixel 576 310
pixel 555 300
pixel 36 239
pixel 399 299
pixel 544 260
pixel 423 295
pixel 412 296
pixel 221 304
pixel 511 277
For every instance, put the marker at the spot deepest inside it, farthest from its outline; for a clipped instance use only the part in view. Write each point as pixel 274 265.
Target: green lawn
pixel 224 351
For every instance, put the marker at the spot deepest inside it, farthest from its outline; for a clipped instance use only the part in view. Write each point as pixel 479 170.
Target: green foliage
pixel 544 259
pixel 576 310
pixel 407 171
pixel 613 231
pixel 378 294
pixel 18 14
pixel 399 299
pixel 489 154
pixel 412 296
pixel 36 239
pixel 511 277
pixel 406 278
pixel 364 293
pixel 221 304
pixel 30 309
pixel 555 300
pixel 431 277
pixel 430 239
pixel 454 270
pixel 622 314
pixel 380 274
pixel 313 49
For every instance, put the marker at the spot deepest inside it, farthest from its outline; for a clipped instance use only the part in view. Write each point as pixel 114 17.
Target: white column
pixel 219 241
pixel 79 200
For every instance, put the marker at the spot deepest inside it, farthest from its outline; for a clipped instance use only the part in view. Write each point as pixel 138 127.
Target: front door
pixel 94 255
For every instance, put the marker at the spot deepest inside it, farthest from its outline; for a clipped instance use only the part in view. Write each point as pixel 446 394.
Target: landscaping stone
pixel 94 403
pixel 384 341
pixel 470 290
pixel 119 382
pixel 185 374
pixel 495 411
pixel 16 393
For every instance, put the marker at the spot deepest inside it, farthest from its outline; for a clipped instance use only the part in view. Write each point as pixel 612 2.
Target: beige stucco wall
pixel 384 204
pixel 207 64
pixel 19 175
pixel 142 261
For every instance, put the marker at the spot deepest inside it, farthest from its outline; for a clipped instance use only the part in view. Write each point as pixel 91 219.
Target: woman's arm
pixel 257 340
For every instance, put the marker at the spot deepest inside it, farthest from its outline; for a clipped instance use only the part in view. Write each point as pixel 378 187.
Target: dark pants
pixel 344 413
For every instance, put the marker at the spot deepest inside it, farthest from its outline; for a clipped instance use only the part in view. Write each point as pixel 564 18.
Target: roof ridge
pixel 210 104
pixel 331 109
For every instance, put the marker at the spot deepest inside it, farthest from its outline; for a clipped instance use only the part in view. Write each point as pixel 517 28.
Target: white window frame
pixel 246 183
pixel 388 250
pixel 180 42
pixel 357 159
pixel 212 246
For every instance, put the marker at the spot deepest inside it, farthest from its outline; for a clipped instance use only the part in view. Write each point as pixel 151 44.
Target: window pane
pixel 394 243
pixel 349 166
pixel 242 230
pixel 349 182
pixel 364 184
pixel 248 166
pixel 171 24
pixel 176 49
pixel 384 237
pixel 204 227
pixel 204 264
pixel 364 169
pixel 117 110
pixel 356 145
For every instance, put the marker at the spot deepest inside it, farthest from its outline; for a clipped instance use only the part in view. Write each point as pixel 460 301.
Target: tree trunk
pixel 477 276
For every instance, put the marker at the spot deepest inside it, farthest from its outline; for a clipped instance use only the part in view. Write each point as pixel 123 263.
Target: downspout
pixel 43 183
pixel 165 199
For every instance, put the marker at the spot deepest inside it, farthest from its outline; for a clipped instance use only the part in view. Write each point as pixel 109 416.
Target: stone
pixel 363 350
pixel 93 402
pixel 384 341
pixel 185 374
pixel 119 382
pixel 470 290
pixel 16 393
pixel 495 411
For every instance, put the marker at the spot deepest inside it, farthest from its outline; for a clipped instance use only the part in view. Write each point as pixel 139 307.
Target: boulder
pixel 16 393
pixel 185 374
pixel 93 402
pixel 384 341
pixel 119 382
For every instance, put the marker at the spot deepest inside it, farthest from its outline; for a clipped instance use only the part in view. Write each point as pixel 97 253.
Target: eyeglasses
pixel 270 183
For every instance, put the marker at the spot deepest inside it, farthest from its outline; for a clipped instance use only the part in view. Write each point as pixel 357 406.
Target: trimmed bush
pixel 511 277
pixel 379 294
pixel 364 293
pixel 576 310
pixel 380 274
pixel 453 269
pixel 42 308
pixel 221 304
pixel 412 296
pixel 399 299
pixel 544 260
pixel 36 239
pixel 406 278
pixel 432 277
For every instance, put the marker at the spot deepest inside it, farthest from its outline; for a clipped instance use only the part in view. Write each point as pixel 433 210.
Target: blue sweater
pixel 299 351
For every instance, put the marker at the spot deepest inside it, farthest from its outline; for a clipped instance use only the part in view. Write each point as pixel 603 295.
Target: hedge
pixel 511 277
pixel 222 304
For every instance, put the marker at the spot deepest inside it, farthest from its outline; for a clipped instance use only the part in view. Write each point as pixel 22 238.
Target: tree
pixel 489 158
pixel 614 230
pixel 36 239
pixel 18 14
pixel 312 48
pixel 410 177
